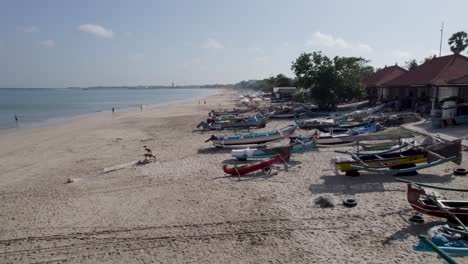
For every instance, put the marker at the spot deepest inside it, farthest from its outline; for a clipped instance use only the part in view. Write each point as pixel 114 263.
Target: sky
pixel 65 43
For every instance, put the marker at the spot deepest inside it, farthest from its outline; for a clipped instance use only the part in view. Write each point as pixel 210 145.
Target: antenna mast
pixel 441 35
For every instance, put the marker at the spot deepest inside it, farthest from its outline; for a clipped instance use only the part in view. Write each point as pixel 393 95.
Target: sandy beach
pixel 183 208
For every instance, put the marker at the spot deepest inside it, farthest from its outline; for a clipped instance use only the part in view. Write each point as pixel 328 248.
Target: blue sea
pixel 37 106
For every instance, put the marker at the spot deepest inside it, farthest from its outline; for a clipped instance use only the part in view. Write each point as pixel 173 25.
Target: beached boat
pixel 252 138
pixel 234 111
pixel 296 146
pixel 243 123
pixel 347 137
pixel 238 170
pixel 401 162
pixel 286 113
pixel 318 123
pixel 428 204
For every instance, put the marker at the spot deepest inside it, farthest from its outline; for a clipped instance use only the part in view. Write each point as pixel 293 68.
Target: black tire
pixel 266 170
pixel 350 203
pixel 417 219
pixel 460 171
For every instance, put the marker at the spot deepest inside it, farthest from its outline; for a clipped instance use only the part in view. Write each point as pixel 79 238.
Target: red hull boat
pixel 422 202
pixel 238 170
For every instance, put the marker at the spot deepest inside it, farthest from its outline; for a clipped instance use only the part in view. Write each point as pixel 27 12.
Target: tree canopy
pixel 411 64
pixel 331 80
pixel 458 42
pixel 267 84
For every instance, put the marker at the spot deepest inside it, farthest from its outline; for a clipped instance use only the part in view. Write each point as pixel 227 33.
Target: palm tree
pixel 458 42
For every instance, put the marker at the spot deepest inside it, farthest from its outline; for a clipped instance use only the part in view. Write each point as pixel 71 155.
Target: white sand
pixel 182 208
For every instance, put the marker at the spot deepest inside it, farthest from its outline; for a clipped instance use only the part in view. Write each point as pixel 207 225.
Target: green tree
pixel 411 65
pixel 429 58
pixel 331 80
pixel 282 81
pixel 458 42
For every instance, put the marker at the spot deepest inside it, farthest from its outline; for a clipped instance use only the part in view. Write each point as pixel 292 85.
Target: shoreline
pixel 50 122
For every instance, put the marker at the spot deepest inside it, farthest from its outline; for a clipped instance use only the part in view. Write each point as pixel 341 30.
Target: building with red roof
pixel 437 78
pixel 375 82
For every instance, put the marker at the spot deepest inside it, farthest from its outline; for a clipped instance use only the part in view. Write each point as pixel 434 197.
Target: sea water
pixel 36 106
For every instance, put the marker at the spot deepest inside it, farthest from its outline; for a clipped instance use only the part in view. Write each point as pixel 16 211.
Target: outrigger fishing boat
pixel 252 138
pixel 237 170
pixel 347 137
pixel 235 124
pixel 235 111
pixel 327 123
pixel 429 204
pixel 403 161
pixel 297 145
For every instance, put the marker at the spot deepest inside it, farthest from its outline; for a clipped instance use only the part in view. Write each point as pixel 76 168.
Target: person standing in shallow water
pixel 16 120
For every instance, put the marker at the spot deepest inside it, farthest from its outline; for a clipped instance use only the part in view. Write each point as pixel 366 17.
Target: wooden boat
pixel 330 138
pixel 428 204
pixel 244 169
pixel 318 123
pixel 401 162
pixel 296 146
pixel 243 123
pixel 286 113
pixel 235 111
pixel 252 138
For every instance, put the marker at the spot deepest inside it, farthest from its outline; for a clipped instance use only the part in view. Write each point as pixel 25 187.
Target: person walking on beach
pixel 16 120
pixel 141 108
pixel 112 110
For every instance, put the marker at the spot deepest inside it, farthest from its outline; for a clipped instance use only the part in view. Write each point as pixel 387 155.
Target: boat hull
pixel 259 138
pixel 237 171
pixel 416 199
pixel 386 160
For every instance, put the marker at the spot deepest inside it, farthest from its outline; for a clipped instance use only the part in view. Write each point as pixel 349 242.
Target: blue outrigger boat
pixel 252 138
pixel 297 145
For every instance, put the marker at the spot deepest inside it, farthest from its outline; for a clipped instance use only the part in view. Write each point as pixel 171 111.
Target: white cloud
pixel 213 44
pixel 96 30
pixel 402 55
pixel 48 43
pixel 30 29
pixel 332 42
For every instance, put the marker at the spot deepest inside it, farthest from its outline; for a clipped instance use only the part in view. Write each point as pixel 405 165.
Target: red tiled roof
pixel 384 75
pixel 437 72
pixel 461 80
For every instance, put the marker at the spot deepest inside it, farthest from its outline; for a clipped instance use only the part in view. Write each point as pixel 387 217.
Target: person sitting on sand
pixel 149 153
